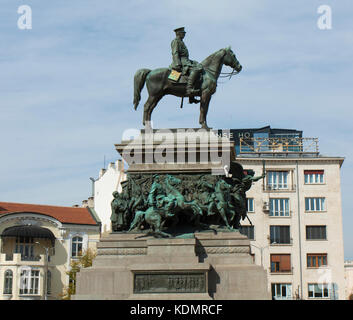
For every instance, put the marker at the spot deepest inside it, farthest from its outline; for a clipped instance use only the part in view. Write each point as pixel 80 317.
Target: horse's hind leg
pixel 146 111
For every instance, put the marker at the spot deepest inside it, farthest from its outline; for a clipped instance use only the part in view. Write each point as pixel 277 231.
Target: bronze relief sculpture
pixel 180 202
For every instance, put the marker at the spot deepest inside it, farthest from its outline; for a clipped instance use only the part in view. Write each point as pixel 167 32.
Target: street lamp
pixel 45 286
pixel 261 250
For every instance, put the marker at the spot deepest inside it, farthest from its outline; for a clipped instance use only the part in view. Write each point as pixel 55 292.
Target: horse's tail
pixel 139 82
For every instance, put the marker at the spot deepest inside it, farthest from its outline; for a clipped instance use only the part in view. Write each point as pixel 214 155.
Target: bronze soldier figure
pixel 182 63
pixel 242 185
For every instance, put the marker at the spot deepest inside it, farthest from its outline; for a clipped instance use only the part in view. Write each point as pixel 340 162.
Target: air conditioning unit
pixel 266 206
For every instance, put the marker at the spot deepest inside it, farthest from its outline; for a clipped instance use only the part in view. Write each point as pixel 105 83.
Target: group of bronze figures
pixel 162 202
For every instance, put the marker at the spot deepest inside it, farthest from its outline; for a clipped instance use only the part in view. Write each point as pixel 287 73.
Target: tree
pixel 84 261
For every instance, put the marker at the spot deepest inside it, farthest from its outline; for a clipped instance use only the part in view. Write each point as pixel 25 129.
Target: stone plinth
pixel 177 150
pixel 204 266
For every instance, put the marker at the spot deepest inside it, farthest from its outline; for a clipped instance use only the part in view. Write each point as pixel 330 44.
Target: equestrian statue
pixel 184 78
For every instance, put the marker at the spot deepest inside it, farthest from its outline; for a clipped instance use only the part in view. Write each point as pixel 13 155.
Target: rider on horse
pixel 182 63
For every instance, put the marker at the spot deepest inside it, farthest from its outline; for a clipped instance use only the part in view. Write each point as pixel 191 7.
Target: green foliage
pixel 84 261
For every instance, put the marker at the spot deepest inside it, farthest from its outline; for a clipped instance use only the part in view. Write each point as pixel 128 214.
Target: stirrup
pixel 193 100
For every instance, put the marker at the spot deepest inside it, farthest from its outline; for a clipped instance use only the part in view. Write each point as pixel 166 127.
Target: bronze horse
pixel 158 84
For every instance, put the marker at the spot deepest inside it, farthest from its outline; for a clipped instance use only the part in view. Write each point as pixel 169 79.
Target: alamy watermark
pixel 325 20
pixel 24 22
pixel 178 147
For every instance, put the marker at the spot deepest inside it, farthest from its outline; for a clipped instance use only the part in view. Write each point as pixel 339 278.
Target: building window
pixel 247 231
pixel 318 290
pixel 280 234
pixel 280 263
pixel 25 246
pixel 316 260
pixel 29 281
pixel 8 282
pixel 277 180
pixel 313 176
pixel 250 205
pixel 314 204
pixel 281 291
pixel 315 232
pixel 77 246
pixel 279 207
pixel 48 282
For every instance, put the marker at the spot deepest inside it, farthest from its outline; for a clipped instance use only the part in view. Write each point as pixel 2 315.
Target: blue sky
pixel 66 85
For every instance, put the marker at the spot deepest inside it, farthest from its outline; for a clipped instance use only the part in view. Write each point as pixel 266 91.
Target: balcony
pixel 7 259
pixel 282 189
pixel 278 243
pixel 30 258
pixel 282 272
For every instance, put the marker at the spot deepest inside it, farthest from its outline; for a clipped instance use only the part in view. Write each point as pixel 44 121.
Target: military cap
pixel 182 29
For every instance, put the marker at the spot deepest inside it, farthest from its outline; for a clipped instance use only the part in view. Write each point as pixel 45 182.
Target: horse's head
pixel 231 60
pixel 173 180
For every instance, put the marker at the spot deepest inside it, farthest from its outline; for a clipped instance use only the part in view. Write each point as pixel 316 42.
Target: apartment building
pixel 295 212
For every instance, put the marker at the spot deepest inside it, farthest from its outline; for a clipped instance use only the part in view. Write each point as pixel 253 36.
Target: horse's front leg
pixel 205 101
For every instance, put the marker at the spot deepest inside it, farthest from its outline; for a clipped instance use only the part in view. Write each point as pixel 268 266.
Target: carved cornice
pixel 121 251
pixel 26 218
pixel 222 250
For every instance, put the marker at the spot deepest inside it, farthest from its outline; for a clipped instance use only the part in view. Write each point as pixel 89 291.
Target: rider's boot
pixel 190 90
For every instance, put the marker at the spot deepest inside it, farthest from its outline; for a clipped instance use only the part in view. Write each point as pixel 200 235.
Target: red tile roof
pixel 63 214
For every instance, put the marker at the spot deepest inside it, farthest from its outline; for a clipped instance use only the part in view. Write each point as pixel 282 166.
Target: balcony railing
pixel 274 271
pixel 276 242
pixel 30 258
pixel 17 258
pixel 9 257
pixel 275 188
pixel 279 145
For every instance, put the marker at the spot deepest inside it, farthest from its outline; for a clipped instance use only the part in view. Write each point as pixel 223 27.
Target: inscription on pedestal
pixel 176 282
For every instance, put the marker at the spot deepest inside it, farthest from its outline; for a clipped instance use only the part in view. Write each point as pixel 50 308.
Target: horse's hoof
pixel 205 126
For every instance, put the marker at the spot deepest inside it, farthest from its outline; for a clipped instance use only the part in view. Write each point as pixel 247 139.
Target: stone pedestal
pixel 202 267
pixel 199 266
